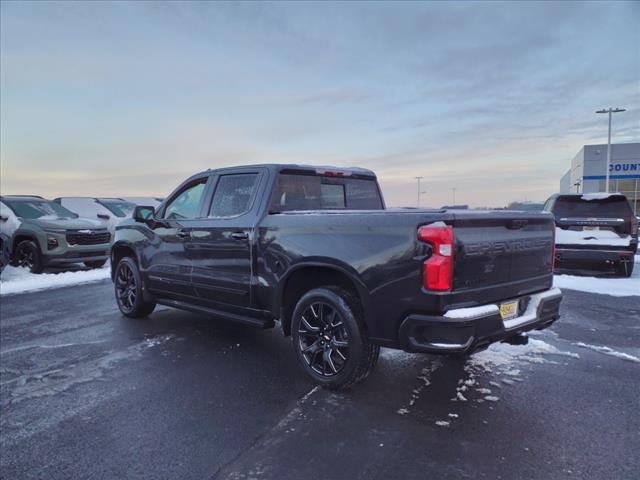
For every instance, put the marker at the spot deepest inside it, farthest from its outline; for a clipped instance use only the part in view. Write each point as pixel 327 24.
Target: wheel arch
pixel 21 236
pixel 119 250
pixel 307 275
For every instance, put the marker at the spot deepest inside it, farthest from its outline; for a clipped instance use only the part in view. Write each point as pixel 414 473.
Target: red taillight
pixel 437 270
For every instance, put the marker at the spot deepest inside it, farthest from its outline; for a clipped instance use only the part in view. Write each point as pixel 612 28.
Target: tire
pixel 127 283
pixel 95 264
pixel 624 269
pixel 330 339
pixel 28 255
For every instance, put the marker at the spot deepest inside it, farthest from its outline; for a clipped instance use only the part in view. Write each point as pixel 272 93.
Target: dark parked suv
pixel 597 230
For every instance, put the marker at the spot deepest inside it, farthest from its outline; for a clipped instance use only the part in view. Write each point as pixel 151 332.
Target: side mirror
pixel 143 214
pixel 103 216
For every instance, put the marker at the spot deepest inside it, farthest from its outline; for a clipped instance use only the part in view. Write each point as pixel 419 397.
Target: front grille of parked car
pixel 92 253
pixel 94 237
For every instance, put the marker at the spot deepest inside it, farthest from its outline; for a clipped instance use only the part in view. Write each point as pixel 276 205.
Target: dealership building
pixel 588 171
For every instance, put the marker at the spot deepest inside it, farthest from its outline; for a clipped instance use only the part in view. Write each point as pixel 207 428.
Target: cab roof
pixel 21 198
pixel 328 170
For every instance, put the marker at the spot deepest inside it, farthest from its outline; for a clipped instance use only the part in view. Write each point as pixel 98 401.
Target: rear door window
pixel 233 195
pixel 609 207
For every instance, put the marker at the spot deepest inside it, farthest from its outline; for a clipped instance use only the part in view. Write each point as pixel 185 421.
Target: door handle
pixel 240 235
pixel 183 233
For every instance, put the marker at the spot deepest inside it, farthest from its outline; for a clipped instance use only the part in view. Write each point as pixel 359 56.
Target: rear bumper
pixel 76 257
pixel 465 330
pixel 582 255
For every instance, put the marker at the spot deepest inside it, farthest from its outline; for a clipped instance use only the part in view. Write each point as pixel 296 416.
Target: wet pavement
pixel 87 393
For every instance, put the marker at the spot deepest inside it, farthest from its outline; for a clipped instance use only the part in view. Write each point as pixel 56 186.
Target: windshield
pixel 614 206
pixel 37 208
pixel 119 208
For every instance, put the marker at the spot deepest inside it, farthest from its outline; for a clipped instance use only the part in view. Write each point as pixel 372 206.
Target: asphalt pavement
pixel 87 393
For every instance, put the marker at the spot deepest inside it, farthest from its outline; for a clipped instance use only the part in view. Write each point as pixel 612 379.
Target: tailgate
pixel 593 233
pixel 494 248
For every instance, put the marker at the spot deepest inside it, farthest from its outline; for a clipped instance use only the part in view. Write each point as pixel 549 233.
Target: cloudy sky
pixel 493 99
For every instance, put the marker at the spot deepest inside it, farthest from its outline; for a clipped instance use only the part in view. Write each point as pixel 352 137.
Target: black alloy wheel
pixel 323 339
pixel 129 292
pixel 329 337
pixel 126 290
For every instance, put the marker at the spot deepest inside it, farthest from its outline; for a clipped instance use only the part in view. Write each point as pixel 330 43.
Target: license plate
pixel 509 309
pixel 590 228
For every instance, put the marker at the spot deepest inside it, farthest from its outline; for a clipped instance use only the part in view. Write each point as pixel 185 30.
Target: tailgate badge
pixel 517 224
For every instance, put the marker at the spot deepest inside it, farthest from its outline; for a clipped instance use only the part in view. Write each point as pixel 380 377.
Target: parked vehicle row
pixel 594 231
pixel 108 210
pixel 39 233
pixel 316 250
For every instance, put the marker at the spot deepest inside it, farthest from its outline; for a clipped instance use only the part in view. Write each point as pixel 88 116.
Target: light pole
pixel 419 192
pixel 610 111
pixel 454 195
pixel 577 185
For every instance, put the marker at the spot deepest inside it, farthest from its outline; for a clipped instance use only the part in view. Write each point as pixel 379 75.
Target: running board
pixel 244 319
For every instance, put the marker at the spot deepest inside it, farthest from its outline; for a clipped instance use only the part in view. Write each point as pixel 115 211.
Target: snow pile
pixel 21 280
pixel 591 237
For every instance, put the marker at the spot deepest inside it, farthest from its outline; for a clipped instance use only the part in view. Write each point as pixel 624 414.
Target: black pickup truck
pixel 315 249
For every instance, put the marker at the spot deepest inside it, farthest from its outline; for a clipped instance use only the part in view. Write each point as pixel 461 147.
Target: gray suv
pixel 43 233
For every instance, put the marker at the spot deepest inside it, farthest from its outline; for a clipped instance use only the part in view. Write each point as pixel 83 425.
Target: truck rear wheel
pixel 329 338
pixel 128 288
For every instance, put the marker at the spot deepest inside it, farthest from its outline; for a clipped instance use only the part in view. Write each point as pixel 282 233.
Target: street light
pixel 577 185
pixel 609 111
pixel 454 195
pixel 419 192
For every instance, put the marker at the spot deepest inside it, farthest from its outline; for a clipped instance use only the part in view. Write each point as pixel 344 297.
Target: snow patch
pixel 591 237
pixel 598 196
pixel 472 311
pixel 20 280
pixel 425 378
pixel 461 397
pixel 504 356
pixel 616 287
pixel 609 351
pixel 443 423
